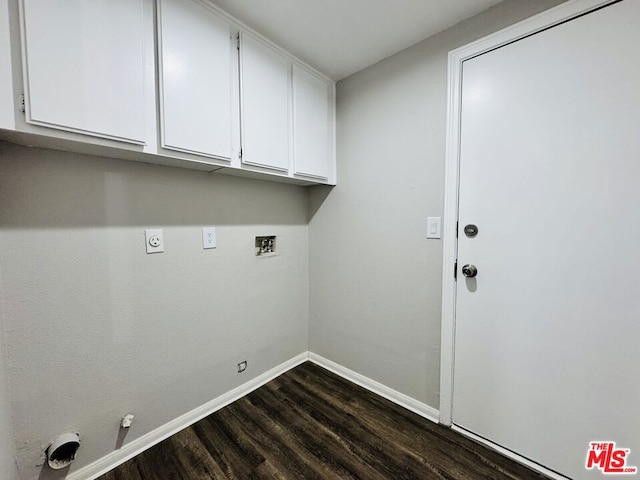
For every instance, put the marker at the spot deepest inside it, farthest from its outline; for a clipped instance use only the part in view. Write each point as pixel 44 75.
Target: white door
pixel 312 125
pixel 264 80
pixel 197 64
pixel 547 334
pixel 84 66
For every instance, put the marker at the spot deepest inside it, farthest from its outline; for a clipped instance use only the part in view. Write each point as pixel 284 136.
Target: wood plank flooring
pixel 311 424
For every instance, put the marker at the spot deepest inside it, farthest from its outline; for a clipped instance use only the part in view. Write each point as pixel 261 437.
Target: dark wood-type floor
pixel 311 424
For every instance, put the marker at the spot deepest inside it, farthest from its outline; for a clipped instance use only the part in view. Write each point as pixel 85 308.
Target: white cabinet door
pixel 196 56
pixel 312 125
pixel 265 105
pixel 84 66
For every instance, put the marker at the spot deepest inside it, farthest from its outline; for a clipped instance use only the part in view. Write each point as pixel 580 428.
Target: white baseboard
pixel 396 397
pixel 139 445
pixel 509 454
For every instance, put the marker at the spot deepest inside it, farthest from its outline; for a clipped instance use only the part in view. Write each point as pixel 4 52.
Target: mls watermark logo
pixel 608 458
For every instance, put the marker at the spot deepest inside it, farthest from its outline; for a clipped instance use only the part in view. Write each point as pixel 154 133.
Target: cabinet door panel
pixel 196 68
pixel 265 105
pixel 84 66
pixel 311 124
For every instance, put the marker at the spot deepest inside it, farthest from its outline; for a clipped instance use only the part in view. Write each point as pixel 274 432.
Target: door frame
pixel 559 14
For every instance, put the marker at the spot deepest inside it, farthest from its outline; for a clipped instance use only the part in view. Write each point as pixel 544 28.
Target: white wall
pixel 7 443
pixel 375 280
pixel 95 328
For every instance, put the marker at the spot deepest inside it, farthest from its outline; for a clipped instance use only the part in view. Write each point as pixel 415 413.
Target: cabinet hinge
pixel 457 223
pixel 455 271
pixel 240 156
pixel 22 106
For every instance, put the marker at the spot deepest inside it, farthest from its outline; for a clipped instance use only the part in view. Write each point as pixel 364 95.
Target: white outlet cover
pixel 209 237
pixel 154 240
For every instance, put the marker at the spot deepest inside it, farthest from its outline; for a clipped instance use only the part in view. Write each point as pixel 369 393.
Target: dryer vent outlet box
pixel 63 450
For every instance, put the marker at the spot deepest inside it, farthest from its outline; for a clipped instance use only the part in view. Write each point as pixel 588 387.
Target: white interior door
pixel 546 342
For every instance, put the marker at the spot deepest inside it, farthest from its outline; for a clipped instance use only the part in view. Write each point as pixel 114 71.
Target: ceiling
pixel 341 37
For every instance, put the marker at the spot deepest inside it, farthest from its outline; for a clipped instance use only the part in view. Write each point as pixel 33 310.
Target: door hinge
pixel 455 271
pixel 22 107
pixel 238 41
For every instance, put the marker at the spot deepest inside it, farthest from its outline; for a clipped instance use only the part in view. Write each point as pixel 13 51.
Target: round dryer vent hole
pixel 63 450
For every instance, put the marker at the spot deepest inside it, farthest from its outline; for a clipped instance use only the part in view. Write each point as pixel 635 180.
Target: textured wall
pixel 95 328
pixel 7 443
pixel 375 279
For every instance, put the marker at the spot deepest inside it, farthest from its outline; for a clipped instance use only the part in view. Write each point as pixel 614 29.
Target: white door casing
pixel 554 264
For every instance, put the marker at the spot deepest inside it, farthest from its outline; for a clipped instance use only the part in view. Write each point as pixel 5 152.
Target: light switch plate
pixel 209 238
pixel 154 240
pixel 434 227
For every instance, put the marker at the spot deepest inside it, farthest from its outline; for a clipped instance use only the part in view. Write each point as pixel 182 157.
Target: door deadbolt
pixel 469 271
pixel 470 230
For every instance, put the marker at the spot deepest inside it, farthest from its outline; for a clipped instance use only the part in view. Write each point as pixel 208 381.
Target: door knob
pixel 469 271
pixel 470 230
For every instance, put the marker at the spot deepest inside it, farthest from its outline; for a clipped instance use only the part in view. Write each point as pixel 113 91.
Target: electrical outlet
pixel 209 238
pixel 242 366
pixel 154 240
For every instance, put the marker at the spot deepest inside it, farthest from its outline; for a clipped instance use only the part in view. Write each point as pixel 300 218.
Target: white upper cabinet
pixel 84 66
pixel 265 94
pixel 173 82
pixel 312 124
pixel 197 64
